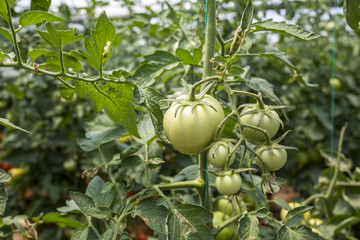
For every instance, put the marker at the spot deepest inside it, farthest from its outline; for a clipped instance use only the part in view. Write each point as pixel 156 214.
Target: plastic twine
pixel 332 85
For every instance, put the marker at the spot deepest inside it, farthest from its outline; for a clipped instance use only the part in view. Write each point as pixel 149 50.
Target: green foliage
pixel 35 17
pixel 98 46
pixel 118 105
pixel 351 11
pixel 282 27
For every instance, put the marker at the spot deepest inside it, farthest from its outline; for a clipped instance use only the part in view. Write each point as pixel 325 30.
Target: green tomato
pixel 192 130
pixel 226 233
pixel 16 174
pixel 271 125
pixel 70 165
pixel 228 184
pixel 273 158
pixel 225 205
pixel 336 83
pixel 315 222
pixel 218 153
pixel 302 158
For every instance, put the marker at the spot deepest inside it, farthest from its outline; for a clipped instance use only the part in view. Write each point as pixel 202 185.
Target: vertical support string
pixel 333 75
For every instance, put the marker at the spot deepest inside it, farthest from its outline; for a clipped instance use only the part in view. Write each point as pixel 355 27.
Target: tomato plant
pixel 228 184
pixel 99 95
pixel 218 153
pixel 191 128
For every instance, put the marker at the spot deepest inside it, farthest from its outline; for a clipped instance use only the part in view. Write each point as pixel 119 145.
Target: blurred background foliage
pixel 50 156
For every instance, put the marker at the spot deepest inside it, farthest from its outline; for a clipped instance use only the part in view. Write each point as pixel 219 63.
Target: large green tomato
pixel 271 125
pixel 226 233
pixel 228 184
pixel 274 158
pixel 192 130
pixel 218 153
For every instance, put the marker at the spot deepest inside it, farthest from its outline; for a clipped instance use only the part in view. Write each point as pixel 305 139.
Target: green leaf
pixel 337 224
pixel 80 234
pixel 35 53
pixel 58 38
pixel 34 17
pixel 154 67
pixel 4 10
pixel 282 203
pixel 352 13
pixel 107 187
pixel 274 52
pixel 5 122
pixel 70 207
pixel 173 227
pixel 71 62
pixel 235 70
pixel 294 216
pixel 154 162
pixel 88 206
pixel 120 74
pixel 263 86
pixel 152 214
pixel 40 5
pixel 61 221
pixel 146 130
pixel 247 17
pixel 248 227
pixel 186 57
pixel 3 199
pixel 13 89
pixel 4 176
pixel 300 233
pixel 66 93
pixel 8 35
pixel 94 190
pixel 193 220
pixel 283 27
pixel 153 103
pixel 99 47
pixel 94 140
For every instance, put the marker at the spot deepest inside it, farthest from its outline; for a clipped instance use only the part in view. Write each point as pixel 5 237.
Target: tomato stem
pixel 210 36
pixel 62 74
pixel 183 184
pixel 263 131
pixel 13 32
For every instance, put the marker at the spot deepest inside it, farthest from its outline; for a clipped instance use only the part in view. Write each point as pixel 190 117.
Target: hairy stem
pixel 13 32
pixel 210 37
pixel 183 184
pixel 61 74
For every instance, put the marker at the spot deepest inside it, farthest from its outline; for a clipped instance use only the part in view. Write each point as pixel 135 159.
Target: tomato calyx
pixel 223 173
pixel 221 154
pixel 262 111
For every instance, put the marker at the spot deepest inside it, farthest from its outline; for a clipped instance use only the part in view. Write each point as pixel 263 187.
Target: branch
pixel 61 74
